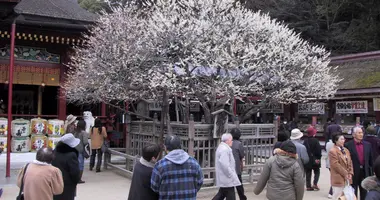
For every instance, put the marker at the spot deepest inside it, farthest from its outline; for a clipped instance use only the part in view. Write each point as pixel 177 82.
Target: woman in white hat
pixel 66 159
pixel 70 124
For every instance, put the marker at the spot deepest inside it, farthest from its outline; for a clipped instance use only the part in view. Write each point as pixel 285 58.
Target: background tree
pixel 342 26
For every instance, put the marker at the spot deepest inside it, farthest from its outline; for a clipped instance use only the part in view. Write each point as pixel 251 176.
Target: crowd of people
pixel 352 163
pixel 55 174
pixel 286 175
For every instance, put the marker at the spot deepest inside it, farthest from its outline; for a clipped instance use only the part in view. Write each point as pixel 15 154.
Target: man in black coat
pixel 66 159
pixel 361 155
pixel 142 172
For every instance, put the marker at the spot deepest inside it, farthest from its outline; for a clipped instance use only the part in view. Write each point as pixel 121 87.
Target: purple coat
pixel 375 143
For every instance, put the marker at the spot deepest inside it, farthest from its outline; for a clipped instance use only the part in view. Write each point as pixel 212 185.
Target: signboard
pixel 155 105
pixel 344 107
pixel 376 104
pixel 311 108
pixel 195 106
pixel 273 108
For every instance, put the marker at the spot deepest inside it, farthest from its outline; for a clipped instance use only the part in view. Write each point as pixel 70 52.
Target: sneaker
pixel 316 187
pixel 310 189
pixel 330 196
pixel 80 182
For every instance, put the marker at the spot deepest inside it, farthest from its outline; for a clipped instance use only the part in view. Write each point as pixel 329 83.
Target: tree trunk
pixel 164 113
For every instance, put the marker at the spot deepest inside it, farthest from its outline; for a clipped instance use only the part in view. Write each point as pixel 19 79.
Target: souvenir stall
pixel 312 114
pixel 351 113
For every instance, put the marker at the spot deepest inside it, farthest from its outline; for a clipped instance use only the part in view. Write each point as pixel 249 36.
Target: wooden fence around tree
pixel 197 139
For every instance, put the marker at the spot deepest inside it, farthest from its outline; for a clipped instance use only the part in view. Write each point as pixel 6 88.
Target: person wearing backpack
pixel 315 154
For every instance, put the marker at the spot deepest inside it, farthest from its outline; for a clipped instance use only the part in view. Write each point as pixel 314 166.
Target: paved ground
pixel 110 186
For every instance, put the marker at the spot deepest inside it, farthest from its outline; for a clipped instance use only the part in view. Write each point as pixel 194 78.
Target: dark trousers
pixel 356 183
pixel 308 176
pixel 92 159
pixel 225 193
pixel 240 189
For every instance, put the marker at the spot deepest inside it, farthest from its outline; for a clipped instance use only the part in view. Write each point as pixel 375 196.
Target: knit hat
pixel 288 147
pixel 311 131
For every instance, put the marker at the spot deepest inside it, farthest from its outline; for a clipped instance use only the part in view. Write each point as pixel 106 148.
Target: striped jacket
pixel 177 176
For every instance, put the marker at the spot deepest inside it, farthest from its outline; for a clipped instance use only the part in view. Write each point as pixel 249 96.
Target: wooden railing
pixel 197 140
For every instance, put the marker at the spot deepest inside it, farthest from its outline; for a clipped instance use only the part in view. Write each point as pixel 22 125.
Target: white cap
pixel 70 140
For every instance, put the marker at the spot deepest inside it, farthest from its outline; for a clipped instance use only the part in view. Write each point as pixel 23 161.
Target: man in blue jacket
pixel 176 176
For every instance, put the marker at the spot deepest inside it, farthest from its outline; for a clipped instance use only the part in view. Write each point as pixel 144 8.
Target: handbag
pixel 348 192
pixel 105 146
pixel 21 193
pixel 86 151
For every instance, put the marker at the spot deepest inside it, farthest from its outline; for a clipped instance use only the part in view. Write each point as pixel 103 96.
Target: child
pixel 238 151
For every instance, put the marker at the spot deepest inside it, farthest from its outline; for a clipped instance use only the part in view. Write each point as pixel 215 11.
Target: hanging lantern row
pixel 43 38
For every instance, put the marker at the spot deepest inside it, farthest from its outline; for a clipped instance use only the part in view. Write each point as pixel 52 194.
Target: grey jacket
pixel 283 177
pixel 303 156
pixel 83 137
pixel 225 167
pixel 238 151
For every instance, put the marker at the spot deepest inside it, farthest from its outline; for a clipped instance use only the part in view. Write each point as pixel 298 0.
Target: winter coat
pixel 333 128
pixel 283 177
pixel 372 185
pixel 66 159
pixel 238 152
pixel 41 181
pixel 177 165
pixel 314 152
pixel 225 171
pixel 340 166
pixel 140 186
pixel 70 128
pixel 83 141
pixel 368 160
pixel 329 146
pixel 303 157
pixel 375 144
pixel 97 138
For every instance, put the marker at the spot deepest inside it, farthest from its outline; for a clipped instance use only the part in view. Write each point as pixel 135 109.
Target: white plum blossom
pixel 204 48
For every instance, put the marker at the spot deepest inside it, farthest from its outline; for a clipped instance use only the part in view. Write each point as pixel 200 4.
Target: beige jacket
pixel 41 181
pixel 96 138
pixel 340 166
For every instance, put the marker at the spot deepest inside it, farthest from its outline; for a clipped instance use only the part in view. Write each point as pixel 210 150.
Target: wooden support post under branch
pixel 191 136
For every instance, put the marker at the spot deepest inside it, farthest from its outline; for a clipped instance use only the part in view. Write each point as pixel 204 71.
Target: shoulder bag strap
pixel 22 180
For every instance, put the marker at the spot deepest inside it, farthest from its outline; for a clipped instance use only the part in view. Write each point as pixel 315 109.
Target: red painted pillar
pixel 62 97
pixel 10 93
pixel 103 111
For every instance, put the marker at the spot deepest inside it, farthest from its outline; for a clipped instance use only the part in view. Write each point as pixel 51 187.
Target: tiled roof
pixel 60 9
pixel 360 74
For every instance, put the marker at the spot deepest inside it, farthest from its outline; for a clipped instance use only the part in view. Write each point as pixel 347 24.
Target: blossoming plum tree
pixel 210 50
